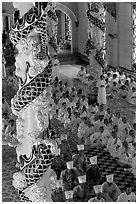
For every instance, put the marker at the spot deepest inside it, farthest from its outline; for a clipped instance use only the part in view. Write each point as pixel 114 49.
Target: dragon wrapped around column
pixel 33 34
pixel 95 45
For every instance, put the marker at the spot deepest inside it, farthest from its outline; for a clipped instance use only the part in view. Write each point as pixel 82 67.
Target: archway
pixel 74 23
pixel 6 21
pixel 64 33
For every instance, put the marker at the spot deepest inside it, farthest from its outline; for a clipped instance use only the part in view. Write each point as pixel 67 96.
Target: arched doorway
pixel 64 32
pixel 6 21
pixel 73 23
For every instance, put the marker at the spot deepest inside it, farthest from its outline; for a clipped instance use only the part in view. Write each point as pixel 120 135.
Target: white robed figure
pixel 101 84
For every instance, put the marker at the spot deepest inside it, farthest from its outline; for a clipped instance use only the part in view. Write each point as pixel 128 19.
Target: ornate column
pixel 95 46
pixel 33 34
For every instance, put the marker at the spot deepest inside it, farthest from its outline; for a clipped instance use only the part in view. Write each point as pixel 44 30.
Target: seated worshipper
pixel 114 87
pixel 78 107
pixel 116 72
pixel 79 159
pixel 90 131
pixel 84 112
pixel 63 99
pixel 84 130
pixel 65 148
pixel 122 92
pixel 75 121
pixel 131 136
pixel 69 177
pixel 100 111
pixel 124 124
pixel 99 122
pixel 108 90
pixel 69 196
pixel 13 81
pixel 93 108
pixel 110 189
pixel 122 76
pixel 112 142
pixel 11 128
pixel 58 194
pixel 67 118
pixel 62 111
pixel 5 107
pixel 98 192
pixel 90 81
pixel 65 87
pixel 101 84
pixel 58 164
pixel 4 121
pixel 127 84
pixel 104 73
pixel 117 119
pixel 123 154
pixel 84 101
pixel 103 139
pixel 82 74
pixel 131 97
pixel 80 192
pixel 73 92
pixel 132 82
pixel 127 195
pixel 108 114
pixel 114 79
pixel 107 127
pixel 109 77
pixel 95 138
pixel 93 174
pixel 120 135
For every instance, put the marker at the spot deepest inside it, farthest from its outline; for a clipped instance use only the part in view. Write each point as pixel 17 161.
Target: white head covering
pixel 69 165
pixel 110 178
pixel 63 137
pixel 80 147
pixel 82 179
pixel 93 160
pixel 59 183
pixel 68 194
pixel 97 189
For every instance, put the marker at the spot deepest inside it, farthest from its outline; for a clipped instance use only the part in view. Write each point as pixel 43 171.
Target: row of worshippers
pixel 80 180
pixel 97 126
pixel 113 133
pixel 117 83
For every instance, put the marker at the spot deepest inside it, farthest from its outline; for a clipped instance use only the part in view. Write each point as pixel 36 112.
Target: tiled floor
pixel 9 156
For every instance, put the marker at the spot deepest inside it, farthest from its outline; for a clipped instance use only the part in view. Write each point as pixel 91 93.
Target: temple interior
pixel 68 101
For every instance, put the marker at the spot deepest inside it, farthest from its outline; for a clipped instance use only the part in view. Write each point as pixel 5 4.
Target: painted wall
pixel 125 35
pixel 82 28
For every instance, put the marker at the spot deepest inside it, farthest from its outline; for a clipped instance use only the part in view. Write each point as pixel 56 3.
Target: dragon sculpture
pixel 33 34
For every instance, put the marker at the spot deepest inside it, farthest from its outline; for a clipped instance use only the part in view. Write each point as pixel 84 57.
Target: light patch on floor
pixel 69 71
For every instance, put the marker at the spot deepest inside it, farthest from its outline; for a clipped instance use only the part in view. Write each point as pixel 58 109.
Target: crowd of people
pixel 92 125
pixel 116 83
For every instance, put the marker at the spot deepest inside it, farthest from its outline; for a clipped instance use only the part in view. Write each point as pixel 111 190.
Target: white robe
pixel 123 197
pixel 101 92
